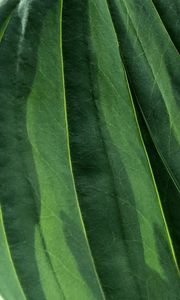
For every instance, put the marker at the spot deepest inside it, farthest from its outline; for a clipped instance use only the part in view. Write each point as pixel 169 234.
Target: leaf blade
pixel 42 194
pixel 9 276
pixel 109 161
pixel 159 82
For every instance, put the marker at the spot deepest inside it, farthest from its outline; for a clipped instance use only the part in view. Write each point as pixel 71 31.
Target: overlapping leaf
pixel 82 217
pixel 41 213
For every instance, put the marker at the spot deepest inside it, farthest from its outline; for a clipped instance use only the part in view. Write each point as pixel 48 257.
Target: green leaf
pixel 6 10
pixel 82 217
pixel 169 13
pixel 144 42
pixel 9 284
pixel 121 208
pixel 170 197
pixel 40 207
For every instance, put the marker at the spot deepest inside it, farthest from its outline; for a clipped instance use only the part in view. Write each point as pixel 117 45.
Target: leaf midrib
pixel 146 154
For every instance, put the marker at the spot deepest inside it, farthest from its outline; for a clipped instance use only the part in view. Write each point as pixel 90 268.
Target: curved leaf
pixel 144 42
pixel 118 197
pixel 108 240
pixel 169 195
pixel 9 284
pixel 42 218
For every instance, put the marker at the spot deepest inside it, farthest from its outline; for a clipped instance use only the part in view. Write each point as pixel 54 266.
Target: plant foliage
pixel 89 150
